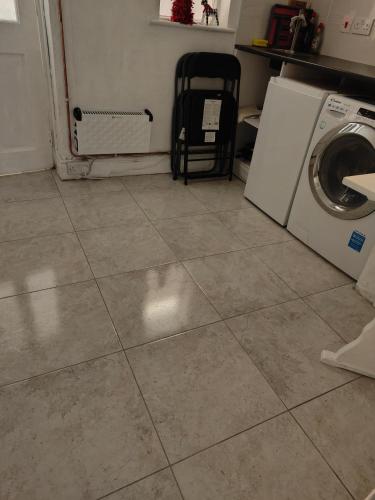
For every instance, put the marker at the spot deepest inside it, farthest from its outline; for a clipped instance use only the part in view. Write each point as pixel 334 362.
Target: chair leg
pixel 186 162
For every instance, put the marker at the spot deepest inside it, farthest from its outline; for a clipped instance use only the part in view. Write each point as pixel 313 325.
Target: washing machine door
pixel 347 150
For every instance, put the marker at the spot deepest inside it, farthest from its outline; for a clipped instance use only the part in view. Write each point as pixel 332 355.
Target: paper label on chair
pixel 210 137
pixel 211 114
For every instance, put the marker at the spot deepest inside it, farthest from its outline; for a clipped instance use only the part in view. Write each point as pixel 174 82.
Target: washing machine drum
pixel 346 151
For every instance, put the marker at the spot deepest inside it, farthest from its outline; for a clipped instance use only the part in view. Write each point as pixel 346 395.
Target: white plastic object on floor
pixel 366 282
pixel 357 356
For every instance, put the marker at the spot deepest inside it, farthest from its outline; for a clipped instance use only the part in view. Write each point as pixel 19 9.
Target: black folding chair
pixel 204 121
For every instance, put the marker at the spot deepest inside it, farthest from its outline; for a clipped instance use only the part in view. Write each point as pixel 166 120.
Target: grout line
pixel 127 359
pixel 56 196
pixel 224 318
pixel 322 456
pixel 339 336
pixel 330 289
pixel 123 350
pixel 177 483
pixel 61 368
pixel 356 377
pixel 277 304
pixel 299 295
pixel 132 483
pixel 228 438
pixel 37 236
pixel 47 288
pixel 172 335
pixel 150 221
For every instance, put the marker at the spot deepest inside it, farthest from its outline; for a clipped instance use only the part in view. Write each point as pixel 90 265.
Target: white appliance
pixel 290 112
pixel 331 218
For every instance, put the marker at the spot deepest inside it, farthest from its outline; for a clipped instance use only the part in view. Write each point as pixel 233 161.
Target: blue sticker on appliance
pixel 357 240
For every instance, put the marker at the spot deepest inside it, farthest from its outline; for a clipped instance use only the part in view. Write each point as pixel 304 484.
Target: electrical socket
pixel 77 169
pixel 362 25
pixel 346 24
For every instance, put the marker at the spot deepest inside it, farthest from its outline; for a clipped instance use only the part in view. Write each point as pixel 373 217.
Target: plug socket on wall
pixel 362 26
pixel 346 24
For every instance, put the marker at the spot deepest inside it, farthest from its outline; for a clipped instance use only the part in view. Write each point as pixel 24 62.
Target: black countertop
pixel 333 65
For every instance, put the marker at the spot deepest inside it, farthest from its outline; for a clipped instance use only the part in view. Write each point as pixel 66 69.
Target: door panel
pixel 25 137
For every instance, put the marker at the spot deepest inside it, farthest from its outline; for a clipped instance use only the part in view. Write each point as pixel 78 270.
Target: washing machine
pixel 290 112
pixel 332 219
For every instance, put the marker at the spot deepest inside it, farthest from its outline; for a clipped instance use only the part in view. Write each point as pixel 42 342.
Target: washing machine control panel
pixel 366 113
pixel 338 106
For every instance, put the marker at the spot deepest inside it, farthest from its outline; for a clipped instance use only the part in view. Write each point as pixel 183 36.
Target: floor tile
pixel 80 187
pixel 136 183
pixel 344 310
pixel 135 245
pixel 38 263
pixel 26 219
pixel 272 461
pixel 238 282
pixel 103 209
pixel 301 268
pixel 253 227
pixel 160 486
pixel 197 236
pixel 200 388
pixel 51 329
pixel 27 187
pixel 167 203
pixel 341 425
pixel 155 303
pixel 218 195
pixel 285 343
pixel 78 433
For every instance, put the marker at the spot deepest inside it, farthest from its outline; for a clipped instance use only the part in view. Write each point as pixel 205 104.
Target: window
pixel 166 8
pixel 9 11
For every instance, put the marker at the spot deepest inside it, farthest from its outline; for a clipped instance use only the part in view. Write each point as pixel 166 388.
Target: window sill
pixel 169 24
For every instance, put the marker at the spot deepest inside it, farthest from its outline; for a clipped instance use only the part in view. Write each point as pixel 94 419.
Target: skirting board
pixel 114 167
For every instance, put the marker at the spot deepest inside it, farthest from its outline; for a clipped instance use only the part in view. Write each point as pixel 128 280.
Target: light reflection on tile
pixel 38 263
pixel 47 330
pixel 131 246
pixel 155 303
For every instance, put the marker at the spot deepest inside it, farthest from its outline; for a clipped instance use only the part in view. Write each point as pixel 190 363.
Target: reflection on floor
pixel 162 342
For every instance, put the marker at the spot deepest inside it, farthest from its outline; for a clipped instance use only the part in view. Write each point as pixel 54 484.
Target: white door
pixel 25 137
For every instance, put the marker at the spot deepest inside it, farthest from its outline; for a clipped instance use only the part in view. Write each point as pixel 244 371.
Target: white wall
pixel 117 60
pixel 255 70
pixel 346 45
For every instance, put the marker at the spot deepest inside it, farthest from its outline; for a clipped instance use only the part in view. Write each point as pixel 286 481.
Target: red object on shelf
pixel 278 32
pixel 182 11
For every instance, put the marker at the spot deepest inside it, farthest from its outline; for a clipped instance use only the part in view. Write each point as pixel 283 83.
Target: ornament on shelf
pixel 209 13
pixel 182 11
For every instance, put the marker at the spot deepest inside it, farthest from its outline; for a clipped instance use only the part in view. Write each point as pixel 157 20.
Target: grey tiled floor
pixel 159 342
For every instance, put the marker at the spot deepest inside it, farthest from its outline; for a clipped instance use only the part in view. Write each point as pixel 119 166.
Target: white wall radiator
pixel 111 132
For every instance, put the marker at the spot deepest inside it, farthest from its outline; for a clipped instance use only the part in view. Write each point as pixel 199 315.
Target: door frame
pixel 47 69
